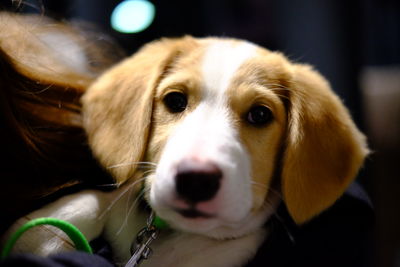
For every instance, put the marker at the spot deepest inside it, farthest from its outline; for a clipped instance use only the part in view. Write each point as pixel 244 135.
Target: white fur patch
pixel 221 61
pixel 208 133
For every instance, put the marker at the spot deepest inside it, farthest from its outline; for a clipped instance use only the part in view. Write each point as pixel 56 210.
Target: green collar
pixel 159 223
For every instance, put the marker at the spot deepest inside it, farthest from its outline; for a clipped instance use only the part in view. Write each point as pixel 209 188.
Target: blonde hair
pixel 45 67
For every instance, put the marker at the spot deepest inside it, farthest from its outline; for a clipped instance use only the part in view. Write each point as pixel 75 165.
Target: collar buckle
pixel 140 249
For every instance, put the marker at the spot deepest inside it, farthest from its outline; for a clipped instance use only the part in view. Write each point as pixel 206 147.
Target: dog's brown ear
pixel 324 148
pixel 117 109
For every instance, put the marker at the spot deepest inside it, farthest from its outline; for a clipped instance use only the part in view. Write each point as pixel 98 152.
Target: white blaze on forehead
pixel 221 61
pixel 207 133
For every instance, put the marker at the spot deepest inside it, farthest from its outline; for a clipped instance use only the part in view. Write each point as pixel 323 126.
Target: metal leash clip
pixel 140 249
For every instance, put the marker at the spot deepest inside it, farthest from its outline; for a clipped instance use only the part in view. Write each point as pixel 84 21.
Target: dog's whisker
pixel 140 163
pixel 283 96
pixel 129 207
pixel 145 176
pixel 129 211
pixel 107 184
pixel 268 204
pixel 147 172
pixel 280 220
pixel 277 193
pixel 279 91
pixel 279 87
pixel 259 184
pixel 270 189
pixel 119 196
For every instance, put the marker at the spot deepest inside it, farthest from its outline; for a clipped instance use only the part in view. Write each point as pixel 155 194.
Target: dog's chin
pixel 213 225
pixel 192 222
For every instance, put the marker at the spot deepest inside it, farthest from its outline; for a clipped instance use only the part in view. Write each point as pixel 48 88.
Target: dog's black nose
pixel 197 181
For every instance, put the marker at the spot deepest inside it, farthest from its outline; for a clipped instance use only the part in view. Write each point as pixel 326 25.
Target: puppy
pixel 217 132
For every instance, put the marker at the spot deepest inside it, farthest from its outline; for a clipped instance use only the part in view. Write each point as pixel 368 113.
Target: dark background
pixel 355 44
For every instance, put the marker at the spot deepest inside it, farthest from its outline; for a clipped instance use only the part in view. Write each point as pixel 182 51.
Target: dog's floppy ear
pixel 324 149
pixel 117 108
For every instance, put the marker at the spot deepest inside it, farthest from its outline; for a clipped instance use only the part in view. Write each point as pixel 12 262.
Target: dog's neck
pixel 176 248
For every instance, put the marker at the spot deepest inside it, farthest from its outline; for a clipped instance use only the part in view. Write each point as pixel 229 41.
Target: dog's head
pixel 231 127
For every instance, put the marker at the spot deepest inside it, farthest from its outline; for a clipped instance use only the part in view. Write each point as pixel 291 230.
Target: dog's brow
pixel 221 61
pixel 174 58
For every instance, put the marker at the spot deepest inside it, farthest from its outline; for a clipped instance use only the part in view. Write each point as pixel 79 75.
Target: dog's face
pixel 222 119
pixel 217 127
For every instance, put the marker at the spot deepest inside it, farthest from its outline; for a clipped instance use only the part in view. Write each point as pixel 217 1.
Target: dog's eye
pixel 259 116
pixel 176 102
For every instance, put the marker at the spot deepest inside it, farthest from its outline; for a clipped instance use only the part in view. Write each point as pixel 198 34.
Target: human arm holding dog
pixel 83 210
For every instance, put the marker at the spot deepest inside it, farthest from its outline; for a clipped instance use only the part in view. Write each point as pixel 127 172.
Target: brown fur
pixel 118 107
pixel 268 75
pixel 322 148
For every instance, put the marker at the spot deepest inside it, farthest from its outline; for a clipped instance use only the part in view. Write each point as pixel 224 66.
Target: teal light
pixel 132 16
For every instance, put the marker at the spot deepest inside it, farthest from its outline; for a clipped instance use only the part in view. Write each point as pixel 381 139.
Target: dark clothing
pixel 68 259
pixel 342 236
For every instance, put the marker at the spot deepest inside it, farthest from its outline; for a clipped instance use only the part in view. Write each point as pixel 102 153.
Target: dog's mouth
pixel 193 213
